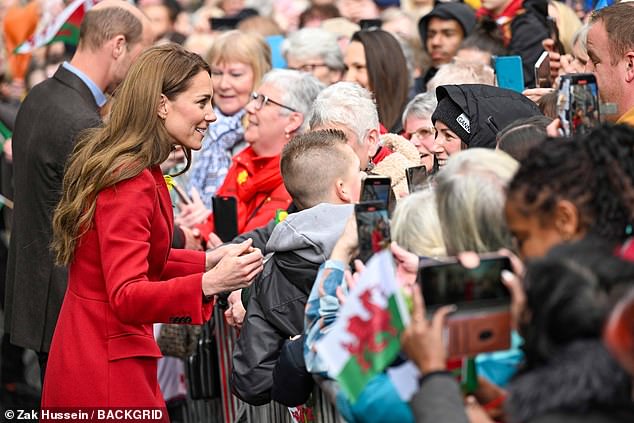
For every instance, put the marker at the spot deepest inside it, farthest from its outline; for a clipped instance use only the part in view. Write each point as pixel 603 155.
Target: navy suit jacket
pixel 51 116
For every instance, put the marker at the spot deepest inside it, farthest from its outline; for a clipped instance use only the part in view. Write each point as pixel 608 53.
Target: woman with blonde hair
pixel 415 225
pixel 471 194
pixel 113 228
pixel 238 61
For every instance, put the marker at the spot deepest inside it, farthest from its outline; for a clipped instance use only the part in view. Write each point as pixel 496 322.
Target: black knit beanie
pixel 449 113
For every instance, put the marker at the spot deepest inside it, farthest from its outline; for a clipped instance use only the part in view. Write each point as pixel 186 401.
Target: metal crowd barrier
pixel 230 409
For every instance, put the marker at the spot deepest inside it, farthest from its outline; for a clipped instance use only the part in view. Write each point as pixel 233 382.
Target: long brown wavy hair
pixel 133 139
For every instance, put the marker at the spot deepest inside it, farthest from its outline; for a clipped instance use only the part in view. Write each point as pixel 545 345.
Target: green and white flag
pixel 365 339
pixel 65 27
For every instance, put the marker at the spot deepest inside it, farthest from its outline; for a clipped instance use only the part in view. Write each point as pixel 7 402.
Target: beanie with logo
pixel 449 113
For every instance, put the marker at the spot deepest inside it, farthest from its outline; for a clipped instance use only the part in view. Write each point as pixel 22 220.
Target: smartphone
pixel 377 188
pixel 416 177
pixel 509 72
pixel 370 23
pixel 578 103
pixel 482 322
pixel 542 71
pixel 225 212
pixel 373 228
pixel 223 24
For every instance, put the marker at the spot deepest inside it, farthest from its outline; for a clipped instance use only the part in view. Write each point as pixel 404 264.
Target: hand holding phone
pixel 542 71
pixel 578 103
pixel 422 340
pixel 377 188
pixel 482 321
pixel 509 73
pixel 373 228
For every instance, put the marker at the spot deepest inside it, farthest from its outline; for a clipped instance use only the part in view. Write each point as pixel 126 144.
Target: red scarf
pixel 264 175
pixel 514 8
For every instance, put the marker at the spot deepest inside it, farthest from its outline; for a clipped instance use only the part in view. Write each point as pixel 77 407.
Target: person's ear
pixel 629 66
pixel 295 121
pixel 372 138
pixel 120 45
pixel 567 219
pixel 162 107
pixel 344 193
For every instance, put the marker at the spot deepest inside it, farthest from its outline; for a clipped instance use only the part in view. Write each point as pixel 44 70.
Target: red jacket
pixel 124 277
pixel 256 182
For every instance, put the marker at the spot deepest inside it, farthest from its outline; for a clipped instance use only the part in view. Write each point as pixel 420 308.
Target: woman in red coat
pixel 113 227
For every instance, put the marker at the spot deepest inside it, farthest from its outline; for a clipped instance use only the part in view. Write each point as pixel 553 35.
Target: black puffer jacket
pixel 488 108
pixel 275 311
pixel 582 383
pixel 528 30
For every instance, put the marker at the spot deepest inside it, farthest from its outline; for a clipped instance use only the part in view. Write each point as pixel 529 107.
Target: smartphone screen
pixel 377 188
pixel 370 23
pixel 373 228
pixel 542 71
pixel 509 72
pixel 578 103
pixel 416 177
pixel 225 212
pixel 482 322
pixel 476 288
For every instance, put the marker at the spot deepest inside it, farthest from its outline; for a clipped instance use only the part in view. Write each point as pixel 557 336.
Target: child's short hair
pixel 311 162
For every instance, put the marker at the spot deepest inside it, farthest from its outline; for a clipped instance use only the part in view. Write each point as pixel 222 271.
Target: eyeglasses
pixel 309 67
pixel 261 100
pixel 422 132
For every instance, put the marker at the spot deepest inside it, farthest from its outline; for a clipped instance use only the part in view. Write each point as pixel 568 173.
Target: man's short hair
pixel 311 162
pixel 308 43
pixel 101 25
pixel 346 104
pixel 617 21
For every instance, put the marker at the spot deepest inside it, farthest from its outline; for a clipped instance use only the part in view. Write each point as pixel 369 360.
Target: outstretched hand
pixel 406 264
pixel 422 340
pixel 235 270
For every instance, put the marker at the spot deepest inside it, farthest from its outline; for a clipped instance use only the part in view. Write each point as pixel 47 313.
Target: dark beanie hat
pixel 449 113
pixel 460 12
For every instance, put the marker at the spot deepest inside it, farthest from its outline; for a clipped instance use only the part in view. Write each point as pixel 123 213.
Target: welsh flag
pixel 65 27
pixel 365 338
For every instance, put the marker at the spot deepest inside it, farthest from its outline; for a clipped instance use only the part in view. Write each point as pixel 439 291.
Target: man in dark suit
pixel 112 35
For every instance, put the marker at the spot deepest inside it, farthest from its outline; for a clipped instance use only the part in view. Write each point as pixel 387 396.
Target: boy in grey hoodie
pixel 321 172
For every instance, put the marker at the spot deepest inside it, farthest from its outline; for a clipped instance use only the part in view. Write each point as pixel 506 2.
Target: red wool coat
pixel 256 182
pixel 124 278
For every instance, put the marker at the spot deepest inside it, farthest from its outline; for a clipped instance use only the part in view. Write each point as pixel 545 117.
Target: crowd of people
pixel 183 162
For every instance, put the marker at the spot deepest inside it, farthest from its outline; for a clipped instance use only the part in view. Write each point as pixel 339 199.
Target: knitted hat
pixel 449 113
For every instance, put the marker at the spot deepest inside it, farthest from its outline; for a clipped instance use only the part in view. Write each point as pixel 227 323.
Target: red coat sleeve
pixel 183 262
pixel 124 219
